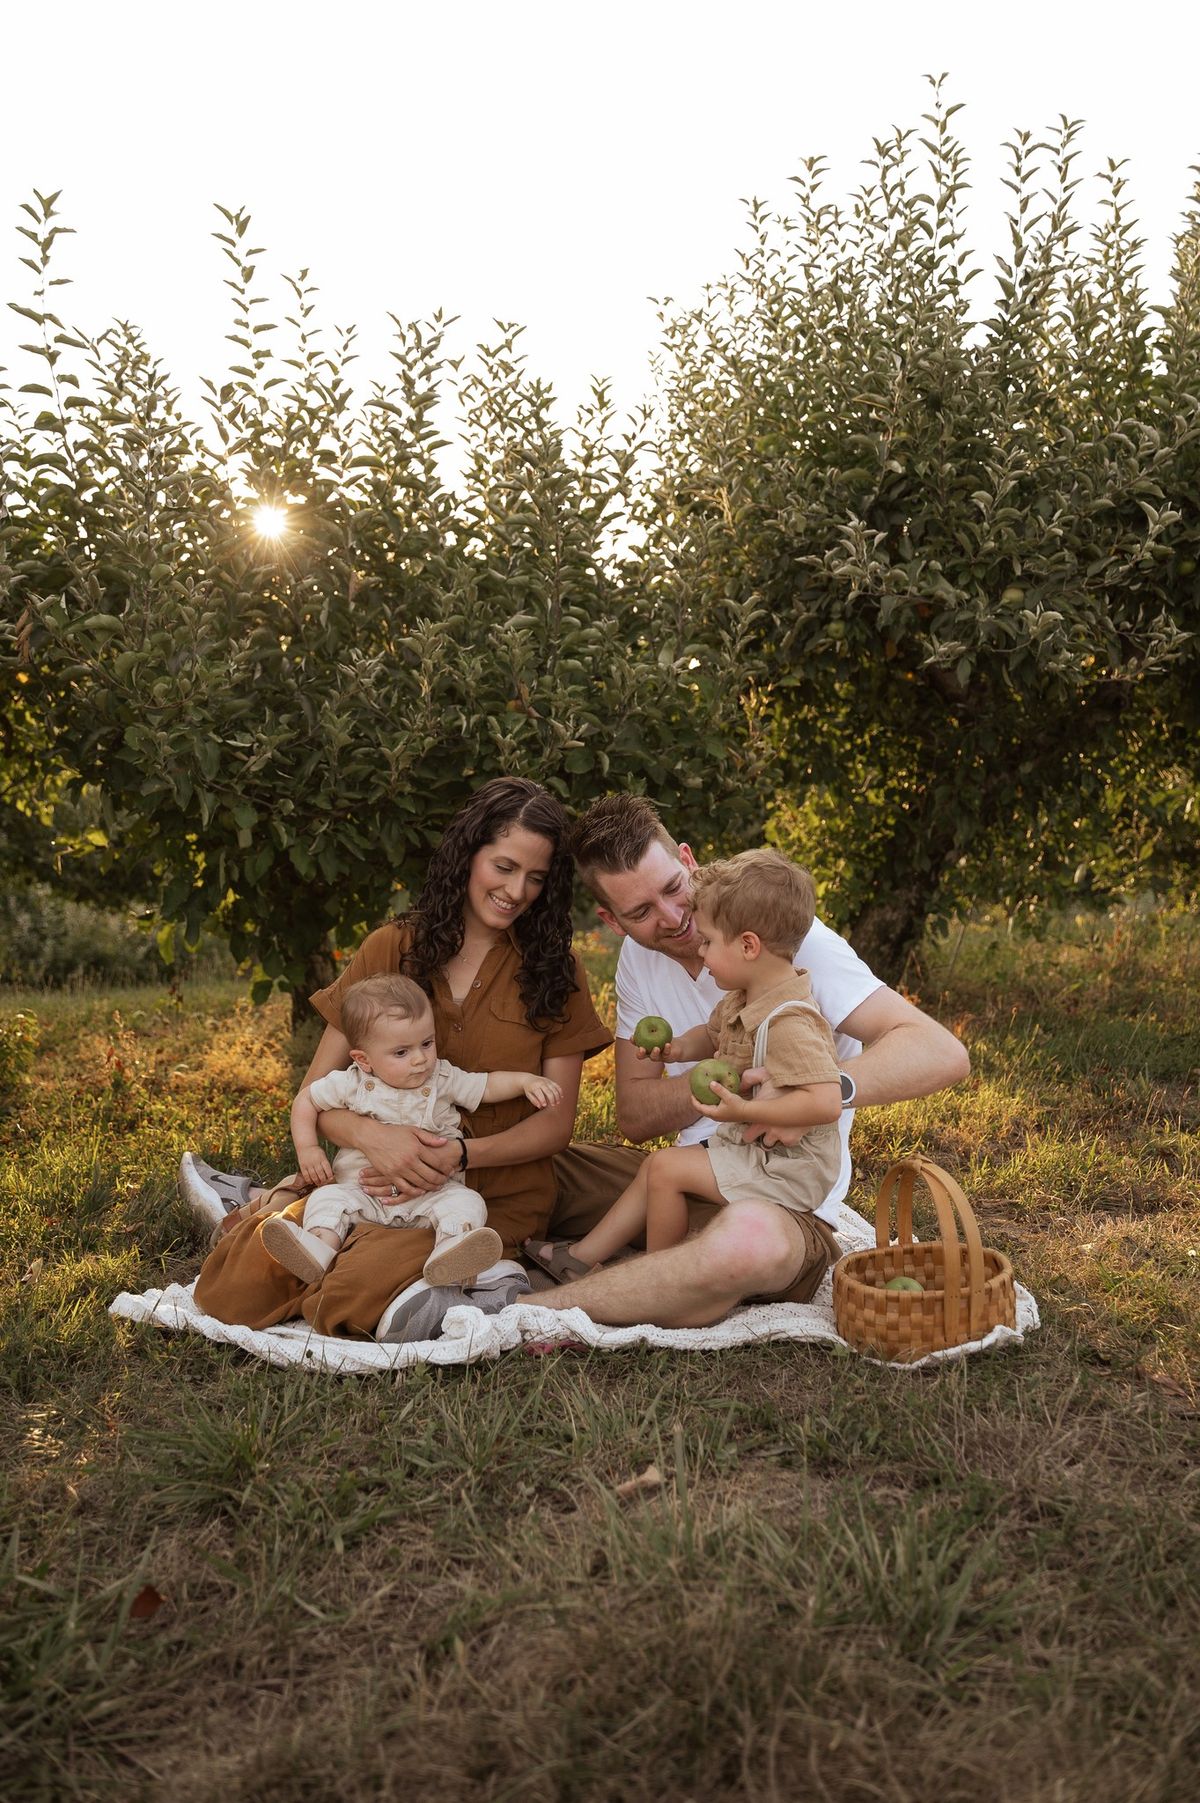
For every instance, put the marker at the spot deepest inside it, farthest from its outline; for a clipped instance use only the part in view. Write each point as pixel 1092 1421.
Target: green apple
pixel 908 1284
pixel 710 1071
pixel 652 1033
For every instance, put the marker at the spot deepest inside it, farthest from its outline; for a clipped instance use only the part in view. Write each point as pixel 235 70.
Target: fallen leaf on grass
pixel 33 1269
pixel 1180 1400
pixel 650 1479
pixel 146 1603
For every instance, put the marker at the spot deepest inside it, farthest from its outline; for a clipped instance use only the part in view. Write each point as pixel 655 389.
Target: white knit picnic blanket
pixel 468 1334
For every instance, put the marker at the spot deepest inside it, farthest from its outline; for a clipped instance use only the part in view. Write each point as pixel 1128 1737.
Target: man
pixel 888 1050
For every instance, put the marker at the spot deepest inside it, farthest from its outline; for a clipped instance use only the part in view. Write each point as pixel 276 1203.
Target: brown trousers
pixel 241 1283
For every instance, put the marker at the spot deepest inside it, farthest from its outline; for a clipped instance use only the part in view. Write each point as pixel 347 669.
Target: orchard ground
pixel 231 1581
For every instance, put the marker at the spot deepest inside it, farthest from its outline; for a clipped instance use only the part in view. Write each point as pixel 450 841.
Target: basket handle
pixel 949 1202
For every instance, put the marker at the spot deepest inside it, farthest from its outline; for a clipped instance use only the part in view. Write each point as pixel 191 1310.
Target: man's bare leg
pixel 750 1249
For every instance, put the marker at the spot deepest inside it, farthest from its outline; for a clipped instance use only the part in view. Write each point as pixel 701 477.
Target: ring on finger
pixel 395 1193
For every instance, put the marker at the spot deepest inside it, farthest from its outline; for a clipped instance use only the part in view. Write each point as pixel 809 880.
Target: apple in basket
pixel 909 1285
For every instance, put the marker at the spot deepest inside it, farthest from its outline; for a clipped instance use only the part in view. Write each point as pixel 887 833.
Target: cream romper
pixel 340 1205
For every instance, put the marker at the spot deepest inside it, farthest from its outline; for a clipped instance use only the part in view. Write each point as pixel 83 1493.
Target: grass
pixel 232 1581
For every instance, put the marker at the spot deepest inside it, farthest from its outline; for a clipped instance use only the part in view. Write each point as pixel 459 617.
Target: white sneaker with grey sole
pixel 209 1193
pixel 417 1312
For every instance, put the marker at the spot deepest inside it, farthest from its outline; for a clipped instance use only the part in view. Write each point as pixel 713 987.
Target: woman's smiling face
pixel 506 876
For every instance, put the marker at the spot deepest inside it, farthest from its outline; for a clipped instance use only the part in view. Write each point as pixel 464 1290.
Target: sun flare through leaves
pixel 269 522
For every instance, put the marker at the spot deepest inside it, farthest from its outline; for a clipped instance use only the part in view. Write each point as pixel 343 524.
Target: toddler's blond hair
pixel 758 892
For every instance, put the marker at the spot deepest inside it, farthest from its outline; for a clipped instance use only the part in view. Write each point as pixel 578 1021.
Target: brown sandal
pixel 556 1259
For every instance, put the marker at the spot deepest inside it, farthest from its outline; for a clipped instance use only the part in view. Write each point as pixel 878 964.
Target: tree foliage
pixel 280 727
pixel 924 567
pixel 971 543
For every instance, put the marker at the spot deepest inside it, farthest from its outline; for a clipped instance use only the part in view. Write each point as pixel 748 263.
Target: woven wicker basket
pixel 968 1290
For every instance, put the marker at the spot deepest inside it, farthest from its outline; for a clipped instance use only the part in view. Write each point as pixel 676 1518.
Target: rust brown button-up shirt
pixel 486 1031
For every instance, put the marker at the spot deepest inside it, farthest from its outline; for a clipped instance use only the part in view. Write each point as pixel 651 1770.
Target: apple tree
pixel 284 649
pixel 970 532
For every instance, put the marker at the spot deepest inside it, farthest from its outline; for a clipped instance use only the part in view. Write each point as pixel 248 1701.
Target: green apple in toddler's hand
pixel 709 1071
pixel 909 1285
pixel 652 1033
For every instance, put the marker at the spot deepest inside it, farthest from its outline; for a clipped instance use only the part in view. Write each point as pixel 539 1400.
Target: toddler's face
pixel 722 957
pixel 399 1051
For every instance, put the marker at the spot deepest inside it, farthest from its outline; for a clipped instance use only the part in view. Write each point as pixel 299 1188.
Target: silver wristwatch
pixel 849 1089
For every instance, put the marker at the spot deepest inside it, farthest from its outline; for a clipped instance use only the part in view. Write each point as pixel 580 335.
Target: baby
pixel 751 913
pixel 396 1077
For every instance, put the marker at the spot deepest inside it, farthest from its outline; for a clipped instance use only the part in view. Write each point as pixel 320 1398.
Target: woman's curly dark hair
pixel 543 931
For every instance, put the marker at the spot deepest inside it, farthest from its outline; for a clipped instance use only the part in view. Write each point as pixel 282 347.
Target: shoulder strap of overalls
pixel 760 1038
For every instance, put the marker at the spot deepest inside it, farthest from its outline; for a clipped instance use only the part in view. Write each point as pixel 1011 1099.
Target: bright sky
pixel 540 160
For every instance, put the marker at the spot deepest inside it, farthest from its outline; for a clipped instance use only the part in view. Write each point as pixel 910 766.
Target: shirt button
pixel 424 1092
pixel 477 984
pixel 458 1026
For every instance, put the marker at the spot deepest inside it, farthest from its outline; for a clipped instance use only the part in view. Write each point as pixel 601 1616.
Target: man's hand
pixel 314 1166
pixel 650 1103
pixel 770 1136
pixel 406 1161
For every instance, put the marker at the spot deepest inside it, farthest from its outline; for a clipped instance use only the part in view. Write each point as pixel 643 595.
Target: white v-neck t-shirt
pixel 651 983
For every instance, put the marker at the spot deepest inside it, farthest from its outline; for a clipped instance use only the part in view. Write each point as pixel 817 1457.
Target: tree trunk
pixel 319 972
pixel 891 927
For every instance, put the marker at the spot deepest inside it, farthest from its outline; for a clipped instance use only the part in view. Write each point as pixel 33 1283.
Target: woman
pixel 489 940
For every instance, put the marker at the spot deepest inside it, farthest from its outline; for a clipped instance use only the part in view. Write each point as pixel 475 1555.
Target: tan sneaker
pixel 464 1256
pixel 297 1250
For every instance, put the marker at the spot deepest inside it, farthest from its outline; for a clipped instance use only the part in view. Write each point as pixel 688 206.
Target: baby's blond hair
pixel 758 892
pixel 374 997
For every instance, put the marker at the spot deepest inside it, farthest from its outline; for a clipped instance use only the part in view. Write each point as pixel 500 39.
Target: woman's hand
pixel 403 1162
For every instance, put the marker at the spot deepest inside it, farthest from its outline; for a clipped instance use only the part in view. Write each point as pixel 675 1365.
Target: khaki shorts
pixel 589 1178
pixel 821 1250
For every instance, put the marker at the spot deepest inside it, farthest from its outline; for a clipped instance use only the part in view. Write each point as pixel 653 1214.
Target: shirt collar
pixel 792 989
pixel 509 934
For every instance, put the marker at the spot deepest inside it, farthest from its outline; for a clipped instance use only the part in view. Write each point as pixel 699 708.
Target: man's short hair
pixel 758 892
pixel 614 835
pixel 368 1001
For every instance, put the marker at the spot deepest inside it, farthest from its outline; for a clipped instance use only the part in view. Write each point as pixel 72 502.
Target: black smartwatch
pixel 849 1089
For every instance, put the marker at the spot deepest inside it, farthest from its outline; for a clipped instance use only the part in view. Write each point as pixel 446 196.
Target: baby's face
pixel 400 1051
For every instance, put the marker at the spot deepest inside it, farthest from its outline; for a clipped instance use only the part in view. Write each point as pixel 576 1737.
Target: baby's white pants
pixel 341 1205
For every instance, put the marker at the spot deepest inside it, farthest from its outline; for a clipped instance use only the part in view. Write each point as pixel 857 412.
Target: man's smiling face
pixel 652 903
